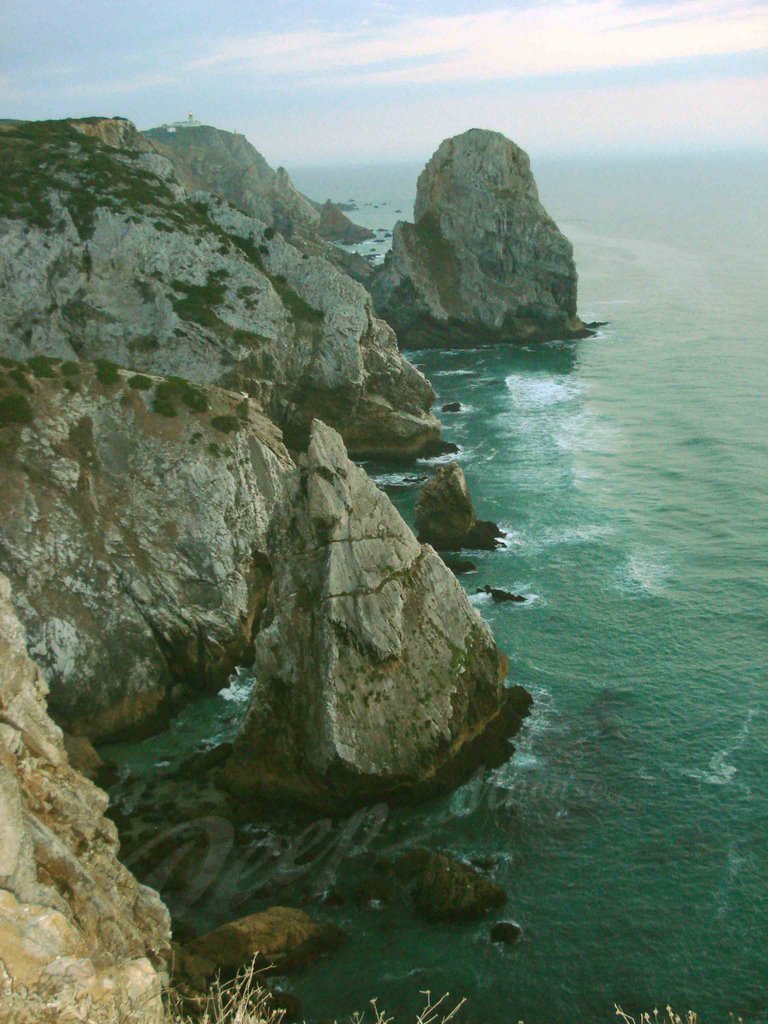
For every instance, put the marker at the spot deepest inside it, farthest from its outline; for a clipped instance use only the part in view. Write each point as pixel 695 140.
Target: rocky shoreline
pixel 187 371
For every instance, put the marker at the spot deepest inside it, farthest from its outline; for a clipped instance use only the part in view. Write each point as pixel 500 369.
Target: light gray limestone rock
pixel 374 674
pixel 135 541
pixel 483 260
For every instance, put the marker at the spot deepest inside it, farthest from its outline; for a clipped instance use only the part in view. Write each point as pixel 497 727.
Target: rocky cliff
pixel 225 163
pixel 133 520
pixel 80 939
pixel 374 674
pixel 207 159
pixel 483 260
pixel 104 255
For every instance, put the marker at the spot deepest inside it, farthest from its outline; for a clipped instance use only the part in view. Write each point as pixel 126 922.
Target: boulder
pixel 374 675
pixel 483 260
pixel 445 515
pixel 451 407
pixel 78 933
pixel 458 564
pixel 500 596
pixel 506 932
pixel 282 938
pixel 448 891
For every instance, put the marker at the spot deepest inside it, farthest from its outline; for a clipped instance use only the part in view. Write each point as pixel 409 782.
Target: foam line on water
pixel 537 391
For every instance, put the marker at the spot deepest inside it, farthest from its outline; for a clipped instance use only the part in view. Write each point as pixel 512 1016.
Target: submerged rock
pixel 77 931
pixel 458 564
pixel 449 891
pixel 500 596
pixel 506 932
pixel 374 674
pixel 282 938
pixel 445 515
pixel 483 260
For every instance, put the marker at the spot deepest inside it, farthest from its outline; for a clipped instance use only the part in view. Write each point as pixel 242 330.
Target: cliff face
pixel 207 159
pixel 483 260
pixel 212 160
pixel 80 939
pixel 104 255
pixel 133 521
pixel 374 675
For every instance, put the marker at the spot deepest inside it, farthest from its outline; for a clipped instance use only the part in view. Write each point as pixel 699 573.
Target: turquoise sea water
pixel 631 471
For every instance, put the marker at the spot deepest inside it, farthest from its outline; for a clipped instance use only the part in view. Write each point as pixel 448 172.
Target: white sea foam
pixel 239 687
pixel 441 460
pixel 453 373
pixel 645 572
pixel 537 392
pixel 719 771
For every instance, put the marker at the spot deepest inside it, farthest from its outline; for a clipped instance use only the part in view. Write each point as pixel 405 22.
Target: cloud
pixel 555 37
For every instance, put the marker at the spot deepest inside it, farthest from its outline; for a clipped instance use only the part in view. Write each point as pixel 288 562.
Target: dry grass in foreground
pixel 244 1000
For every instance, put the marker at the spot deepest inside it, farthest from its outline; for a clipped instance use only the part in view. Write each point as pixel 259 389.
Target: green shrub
pixel 15 409
pixel 163 402
pixel 106 372
pixel 8 363
pixel 19 376
pixel 226 424
pixel 139 382
pixel 269 233
pixel 177 389
pixel 42 366
pixel 70 369
pixel 299 308
pixel 242 410
pixel 213 449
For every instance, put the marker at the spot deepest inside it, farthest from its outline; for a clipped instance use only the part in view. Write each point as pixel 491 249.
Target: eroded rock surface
pixel 80 939
pixel 103 254
pixel 135 539
pixel 374 674
pixel 445 514
pixel 483 260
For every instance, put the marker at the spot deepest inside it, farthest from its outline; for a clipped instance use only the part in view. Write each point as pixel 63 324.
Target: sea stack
pixel 374 674
pixel 483 261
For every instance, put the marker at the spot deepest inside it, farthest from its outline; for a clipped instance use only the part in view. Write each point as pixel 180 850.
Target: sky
pixel 312 82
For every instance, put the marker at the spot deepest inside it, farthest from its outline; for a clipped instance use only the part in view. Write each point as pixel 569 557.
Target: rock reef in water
pixel 446 518
pixel 483 260
pixel 103 255
pixel 80 939
pixel 374 674
pixel 133 529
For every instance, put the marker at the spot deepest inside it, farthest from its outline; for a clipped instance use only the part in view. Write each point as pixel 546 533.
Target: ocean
pixel 631 473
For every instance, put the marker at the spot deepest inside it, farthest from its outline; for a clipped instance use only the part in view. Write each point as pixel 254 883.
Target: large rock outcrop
pixel 104 255
pixel 483 260
pixel 133 520
pixel 374 674
pixel 208 159
pixel 80 939
pixel 446 517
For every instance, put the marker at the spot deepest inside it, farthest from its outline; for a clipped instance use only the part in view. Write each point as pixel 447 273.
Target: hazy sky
pixel 342 81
